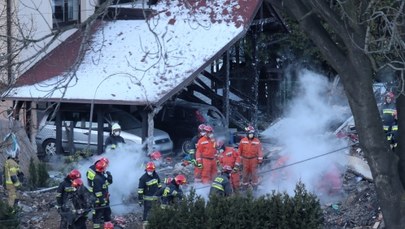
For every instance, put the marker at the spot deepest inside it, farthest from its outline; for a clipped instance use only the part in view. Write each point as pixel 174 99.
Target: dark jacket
pixel 113 141
pixel 148 186
pixel 221 186
pixel 387 114
pixel 100 188
pixel 171 194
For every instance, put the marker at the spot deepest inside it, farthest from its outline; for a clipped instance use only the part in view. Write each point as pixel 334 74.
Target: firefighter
pixel 115 137
pixel 64 194
pixel 149 184
pixel 221 185
pixel 74 202
pixel 228 156
pixel 388 111
pixel 91 172
pixel 13 178
pixel 250 150
pixel 173 192
pixel 197 170
pixel 206 156
pixel 101 181
pixel 108 225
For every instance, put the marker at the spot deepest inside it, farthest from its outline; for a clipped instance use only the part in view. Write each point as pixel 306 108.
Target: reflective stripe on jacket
pixel 11 169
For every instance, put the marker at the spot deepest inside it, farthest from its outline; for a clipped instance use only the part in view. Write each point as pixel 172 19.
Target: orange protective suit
pixel 251 154
pixel 206 155
pixel 231 158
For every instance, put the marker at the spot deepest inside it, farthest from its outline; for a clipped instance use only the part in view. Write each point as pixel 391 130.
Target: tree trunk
pixel 355 70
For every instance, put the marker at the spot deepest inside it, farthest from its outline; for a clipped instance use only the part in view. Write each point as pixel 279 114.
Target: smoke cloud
pixel 305 132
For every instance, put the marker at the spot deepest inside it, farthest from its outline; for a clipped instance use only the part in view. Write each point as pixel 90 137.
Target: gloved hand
pixel 260 160
pixel 113 146
pixel 58 208
pixel 80 211
pixel 235 169
pixel 199 166
pixel 140 202
pixel 109 177
pixel 194 162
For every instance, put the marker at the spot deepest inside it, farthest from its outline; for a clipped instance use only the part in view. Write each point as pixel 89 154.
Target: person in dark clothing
pixel 91 173
pixel 221 185
pixel 74 201
pixel 114 139
pixel 149 184
pixel 388 110
pixel 102 179
pixel 173 192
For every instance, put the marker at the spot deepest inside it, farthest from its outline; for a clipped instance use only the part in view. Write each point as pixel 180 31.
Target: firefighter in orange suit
pixel 228 156
pixel 250 150
pixel 206 156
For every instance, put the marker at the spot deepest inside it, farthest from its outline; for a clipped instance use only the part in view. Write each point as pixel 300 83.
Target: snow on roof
pixel 142 62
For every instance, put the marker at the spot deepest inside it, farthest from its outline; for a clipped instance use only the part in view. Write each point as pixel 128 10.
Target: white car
pixel 80 119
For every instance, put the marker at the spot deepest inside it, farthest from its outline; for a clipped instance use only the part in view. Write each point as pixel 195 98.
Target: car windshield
pixel 214 118
pixel 126 121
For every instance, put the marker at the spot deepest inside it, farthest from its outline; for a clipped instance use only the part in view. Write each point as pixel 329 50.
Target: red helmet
pixel 220 144
pixel 108 225
pixel 105 160
pixel 150 167
pixel 201 127
pixel 250 129
pixel 390 95
pixel 77 182
pixel 74 174
pixel 180 179
pixel 101 166
pixel 155 155
pixel 208 128
pixel 227 169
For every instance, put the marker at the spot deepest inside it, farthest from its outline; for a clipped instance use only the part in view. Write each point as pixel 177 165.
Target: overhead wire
pixel 19 216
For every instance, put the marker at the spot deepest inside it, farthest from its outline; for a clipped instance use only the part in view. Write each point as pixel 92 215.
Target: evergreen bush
pixel 33 179
pixel 8 216
pixel 275 210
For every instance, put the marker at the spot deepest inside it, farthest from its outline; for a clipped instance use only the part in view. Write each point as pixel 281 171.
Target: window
pixel 65 12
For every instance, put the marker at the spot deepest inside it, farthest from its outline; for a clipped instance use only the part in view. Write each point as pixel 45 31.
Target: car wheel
pixel 49 148
pixel 187 145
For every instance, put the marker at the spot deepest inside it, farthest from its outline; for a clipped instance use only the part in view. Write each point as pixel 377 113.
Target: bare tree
pixel 359 37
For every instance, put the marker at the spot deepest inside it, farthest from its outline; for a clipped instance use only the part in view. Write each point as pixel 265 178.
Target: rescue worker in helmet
pixel 206 155
pixel 250 150
pixel 108 225
pixel 228 156
pixel 73 201
pixel 191 152
pixel 101 181
pixel 115 137
pixel 172 193
pixel 13 178
pixel 388 110
pixel 221 185
pixel 91 172
pixel 149 184
pixel 389 118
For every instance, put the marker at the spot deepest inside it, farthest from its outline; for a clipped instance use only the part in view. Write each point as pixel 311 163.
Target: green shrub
pixel 39 175
pixel 33 180
pixel 275 210
pixel 8 216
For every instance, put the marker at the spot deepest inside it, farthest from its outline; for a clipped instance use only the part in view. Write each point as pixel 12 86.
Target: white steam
pixel 126 167
pixel 304 133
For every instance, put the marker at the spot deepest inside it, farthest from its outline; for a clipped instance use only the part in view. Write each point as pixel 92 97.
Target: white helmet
pixel 116 129
pixel 116 126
